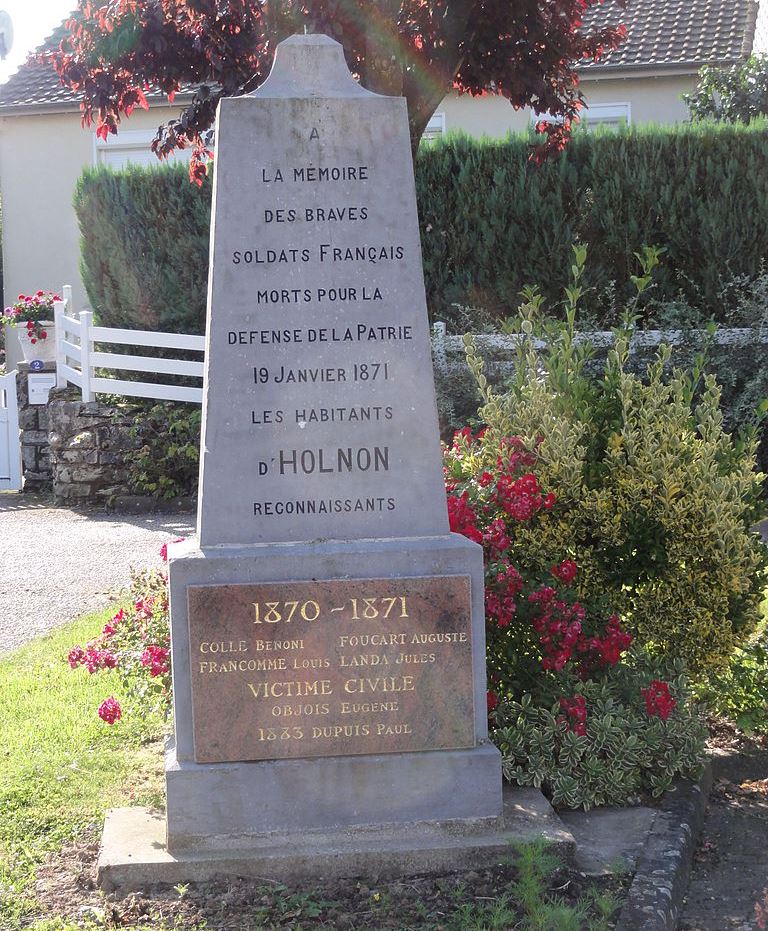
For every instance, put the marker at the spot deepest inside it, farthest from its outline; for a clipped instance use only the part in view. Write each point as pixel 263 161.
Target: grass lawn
pixel 60 765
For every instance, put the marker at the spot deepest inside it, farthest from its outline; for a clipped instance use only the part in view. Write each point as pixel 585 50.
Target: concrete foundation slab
pixel 134 854
pixel 609 838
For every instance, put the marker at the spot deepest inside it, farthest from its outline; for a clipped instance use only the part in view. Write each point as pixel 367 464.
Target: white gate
pixel 10 441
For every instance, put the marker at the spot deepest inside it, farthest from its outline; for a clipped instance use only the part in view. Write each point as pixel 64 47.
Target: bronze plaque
pixel 308 669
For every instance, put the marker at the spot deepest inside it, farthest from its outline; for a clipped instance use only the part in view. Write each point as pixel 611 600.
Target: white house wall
pixel 760 45
pixel 651 100
pixel 41 158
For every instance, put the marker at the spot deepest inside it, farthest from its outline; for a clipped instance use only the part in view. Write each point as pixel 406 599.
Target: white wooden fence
pixel 79 356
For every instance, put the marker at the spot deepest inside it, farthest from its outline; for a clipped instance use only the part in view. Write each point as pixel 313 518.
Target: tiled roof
pixel 668 33
pixel 37 86
pixel 660 33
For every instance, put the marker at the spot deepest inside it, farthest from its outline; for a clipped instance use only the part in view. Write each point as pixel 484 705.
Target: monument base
pixel 134 853
pixel 224 806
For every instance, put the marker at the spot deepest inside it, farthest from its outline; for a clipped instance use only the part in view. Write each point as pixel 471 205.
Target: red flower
pixel 493 701
pixel 566 571
pixel 462 518
pixel 110 710
pixel 521 498
pixel 658 700
pixel 600 652
pixel 575 717
pixel 76 657
pixel 495 537
pixel 500 603
pixel 461 439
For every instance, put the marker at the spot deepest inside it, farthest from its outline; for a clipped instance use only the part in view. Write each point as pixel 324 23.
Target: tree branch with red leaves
pixel 115 53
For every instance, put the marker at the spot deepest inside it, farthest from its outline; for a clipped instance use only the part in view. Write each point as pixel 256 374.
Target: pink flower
pixel 94 659
pixel 143 609
pixel 110 710
pixel 156 658
pixel 76 657
pixel 111 627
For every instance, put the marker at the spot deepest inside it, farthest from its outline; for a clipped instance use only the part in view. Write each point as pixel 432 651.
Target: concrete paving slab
pixel 609 838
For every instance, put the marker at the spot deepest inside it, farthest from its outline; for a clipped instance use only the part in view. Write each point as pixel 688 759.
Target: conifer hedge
pixel 144 247
pixel 492 221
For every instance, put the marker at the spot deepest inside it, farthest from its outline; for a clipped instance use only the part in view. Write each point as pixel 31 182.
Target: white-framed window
pixel 435 128
pixel 612 115
pixel 130 147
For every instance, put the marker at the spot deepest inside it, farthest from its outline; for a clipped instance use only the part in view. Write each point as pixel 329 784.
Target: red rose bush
pixel 574 705
pixel 134 647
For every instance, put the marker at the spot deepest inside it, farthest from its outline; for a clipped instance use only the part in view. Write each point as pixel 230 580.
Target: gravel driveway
pixel 56 564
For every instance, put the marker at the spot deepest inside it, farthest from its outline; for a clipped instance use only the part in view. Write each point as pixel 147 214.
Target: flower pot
pixel 42 349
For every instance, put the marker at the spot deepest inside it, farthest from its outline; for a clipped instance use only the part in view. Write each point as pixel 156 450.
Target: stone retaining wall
pixel 89 445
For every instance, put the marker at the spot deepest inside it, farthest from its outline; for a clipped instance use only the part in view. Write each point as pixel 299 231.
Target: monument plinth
pixel 327 629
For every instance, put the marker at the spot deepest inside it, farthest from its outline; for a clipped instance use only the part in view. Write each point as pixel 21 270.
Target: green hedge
pixel 492 222
pixel 144 247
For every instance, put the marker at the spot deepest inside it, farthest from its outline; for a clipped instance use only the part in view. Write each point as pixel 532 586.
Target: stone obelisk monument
pixel 327 628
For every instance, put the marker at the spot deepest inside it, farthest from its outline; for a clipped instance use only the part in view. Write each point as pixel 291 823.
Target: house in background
pixel 43 148
pixel 643 81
